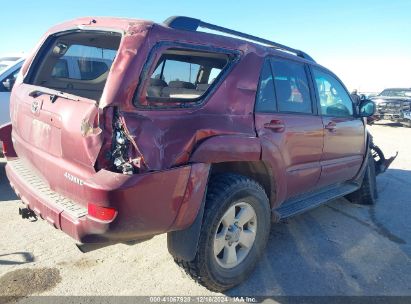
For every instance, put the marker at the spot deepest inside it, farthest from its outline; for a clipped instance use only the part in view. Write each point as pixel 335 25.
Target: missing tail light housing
pixel 106 214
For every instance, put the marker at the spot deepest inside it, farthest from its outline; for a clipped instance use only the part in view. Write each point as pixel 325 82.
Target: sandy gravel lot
pixel 337 249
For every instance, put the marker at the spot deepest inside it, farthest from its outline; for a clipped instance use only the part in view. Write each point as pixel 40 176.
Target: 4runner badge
pixel 73 179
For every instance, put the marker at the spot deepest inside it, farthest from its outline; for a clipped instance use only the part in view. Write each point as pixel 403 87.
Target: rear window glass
pixel 182 76
pixel 60 69
pixel 92 69
pixel 77 63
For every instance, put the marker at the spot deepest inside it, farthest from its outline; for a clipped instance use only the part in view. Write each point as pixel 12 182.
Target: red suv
pixel 168 129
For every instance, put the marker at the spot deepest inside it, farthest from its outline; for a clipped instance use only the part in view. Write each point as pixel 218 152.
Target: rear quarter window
pixel 291 86
pixel 181 77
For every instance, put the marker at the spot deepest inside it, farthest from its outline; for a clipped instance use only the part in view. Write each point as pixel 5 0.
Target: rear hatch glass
pixel 55 114
pixel 77 63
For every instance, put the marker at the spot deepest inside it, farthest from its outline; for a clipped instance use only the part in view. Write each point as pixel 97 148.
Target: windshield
pixel 396 93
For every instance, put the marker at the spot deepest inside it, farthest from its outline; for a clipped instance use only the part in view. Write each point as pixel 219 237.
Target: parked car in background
pixel 9 69
pixel 80 67
pixel 367 95
pixel 8 61
pixel 70 67
pixel 167 129
pixel 394 104
pixel 8 74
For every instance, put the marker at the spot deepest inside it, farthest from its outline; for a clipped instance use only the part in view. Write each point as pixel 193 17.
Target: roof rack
pixel 192 24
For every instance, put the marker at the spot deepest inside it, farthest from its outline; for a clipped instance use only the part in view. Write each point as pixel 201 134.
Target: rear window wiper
pixel 53 95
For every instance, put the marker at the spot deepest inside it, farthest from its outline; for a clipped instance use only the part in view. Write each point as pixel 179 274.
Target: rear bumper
pixel 147 204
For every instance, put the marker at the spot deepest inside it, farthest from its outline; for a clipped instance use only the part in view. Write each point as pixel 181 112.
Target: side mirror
pixel 367 108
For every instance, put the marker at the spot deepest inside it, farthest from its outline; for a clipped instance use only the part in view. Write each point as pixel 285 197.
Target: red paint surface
pixel 294 153
pixel 178 145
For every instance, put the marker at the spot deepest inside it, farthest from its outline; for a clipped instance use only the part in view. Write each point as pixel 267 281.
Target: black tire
pixel 223 192
pixel 367 193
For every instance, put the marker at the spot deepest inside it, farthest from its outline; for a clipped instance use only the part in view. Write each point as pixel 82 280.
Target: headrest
pixel 203 86
pixel 283 88
pixel 156 82
pixel 181 85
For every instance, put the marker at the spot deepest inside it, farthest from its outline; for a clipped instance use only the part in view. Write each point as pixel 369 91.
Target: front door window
pixel 334 100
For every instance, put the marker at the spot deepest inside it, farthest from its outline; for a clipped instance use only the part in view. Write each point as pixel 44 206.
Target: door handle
pixel 331 126
pixel 275 125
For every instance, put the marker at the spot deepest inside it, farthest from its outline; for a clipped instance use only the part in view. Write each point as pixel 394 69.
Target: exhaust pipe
pixel 27 213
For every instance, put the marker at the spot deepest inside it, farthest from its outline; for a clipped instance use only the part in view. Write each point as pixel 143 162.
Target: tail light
pixel 101 213
pixel 4 148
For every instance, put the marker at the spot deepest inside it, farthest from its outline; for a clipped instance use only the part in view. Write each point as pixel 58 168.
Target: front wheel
pixel 235 230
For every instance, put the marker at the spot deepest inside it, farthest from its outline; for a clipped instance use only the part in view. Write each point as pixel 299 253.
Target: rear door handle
pixel 331 126
pixel 275 125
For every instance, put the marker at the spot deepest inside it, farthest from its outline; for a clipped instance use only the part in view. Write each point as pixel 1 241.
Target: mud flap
pixel 183 244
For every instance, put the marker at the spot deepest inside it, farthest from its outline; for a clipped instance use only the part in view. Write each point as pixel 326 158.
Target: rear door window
pixel 265 101
pixel 291 86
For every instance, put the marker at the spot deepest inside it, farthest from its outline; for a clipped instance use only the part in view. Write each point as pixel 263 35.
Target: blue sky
pixel 367 43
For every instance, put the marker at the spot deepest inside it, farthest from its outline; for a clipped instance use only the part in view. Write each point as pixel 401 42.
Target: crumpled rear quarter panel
pixel 167 195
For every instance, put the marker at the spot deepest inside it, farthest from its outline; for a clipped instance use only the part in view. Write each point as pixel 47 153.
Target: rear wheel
pixel 235 229
pixel 367 193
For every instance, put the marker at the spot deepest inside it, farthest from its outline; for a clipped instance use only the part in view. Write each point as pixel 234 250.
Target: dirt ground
pixel 336 249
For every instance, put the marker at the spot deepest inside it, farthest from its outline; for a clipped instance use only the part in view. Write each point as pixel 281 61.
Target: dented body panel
pixel 44 139
pixel 142 209
pixel 151 164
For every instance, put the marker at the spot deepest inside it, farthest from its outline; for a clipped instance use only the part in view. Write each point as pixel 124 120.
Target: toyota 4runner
pixel 167 129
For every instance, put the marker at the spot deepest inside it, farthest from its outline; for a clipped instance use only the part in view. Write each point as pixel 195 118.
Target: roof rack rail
pixel 192 24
